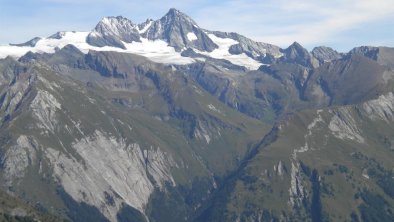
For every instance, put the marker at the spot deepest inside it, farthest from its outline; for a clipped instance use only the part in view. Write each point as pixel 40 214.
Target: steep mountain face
pixel 176 28
pixel 263 94
pixel 329 84
pixel 167 121
pixel 325 165
pixel 111 31
pixel 180 31
pixel 383 55
pixel 288 85
pixel 325 54
pixel 297 54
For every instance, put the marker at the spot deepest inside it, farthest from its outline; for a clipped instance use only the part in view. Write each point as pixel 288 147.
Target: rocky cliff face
pixel 131 180
pixel 180 31
pixel 112 31
pixel 325 54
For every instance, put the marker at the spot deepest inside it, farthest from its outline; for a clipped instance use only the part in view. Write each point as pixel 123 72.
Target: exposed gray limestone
pixel 308 136
pixel 44 108
pixel 111 166
pixel 343 125
pixel 51 85
pixel 325 54
pixel 202 132
pixel 280 169
pixel 296 191
pixel 213 108
pixel 17 158
pixel 14 94
pixel 380 108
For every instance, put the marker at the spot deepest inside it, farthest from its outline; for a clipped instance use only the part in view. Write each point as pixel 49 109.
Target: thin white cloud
pixel 285 21
pixel 280 22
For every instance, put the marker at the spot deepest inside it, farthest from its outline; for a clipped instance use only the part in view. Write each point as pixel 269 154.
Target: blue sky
pixel 341 24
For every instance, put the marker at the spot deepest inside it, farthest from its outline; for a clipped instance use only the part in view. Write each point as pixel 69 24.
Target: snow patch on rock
pixel 223 53
pixel 146 27
pixel 191 36
pixel 157 50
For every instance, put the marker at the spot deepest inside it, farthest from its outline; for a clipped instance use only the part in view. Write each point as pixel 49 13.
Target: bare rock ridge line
pixel 175 35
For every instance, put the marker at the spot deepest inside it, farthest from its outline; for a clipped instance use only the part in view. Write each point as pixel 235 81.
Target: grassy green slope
pixel 338 161
pixel 176 115
pixel 13 209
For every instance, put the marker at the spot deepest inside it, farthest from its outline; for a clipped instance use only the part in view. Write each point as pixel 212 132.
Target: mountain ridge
pixel 167 121
pixel 175 29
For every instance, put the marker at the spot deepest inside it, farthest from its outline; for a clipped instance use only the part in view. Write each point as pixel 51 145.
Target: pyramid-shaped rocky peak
pixel 296 48
pixel 180 32
pixel 174 15
pixel 297 54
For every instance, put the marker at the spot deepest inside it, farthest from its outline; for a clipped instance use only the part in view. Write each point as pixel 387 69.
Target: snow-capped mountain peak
pixel 161 40
pixel 174 14
pixel 115 25
pixel 113 31
pixel 174 28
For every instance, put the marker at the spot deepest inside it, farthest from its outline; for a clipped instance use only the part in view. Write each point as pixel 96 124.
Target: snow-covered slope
pixel 223 53
pixel 161 41
pixel 157 51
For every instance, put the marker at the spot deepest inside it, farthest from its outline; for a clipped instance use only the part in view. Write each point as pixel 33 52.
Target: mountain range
pixel 167 121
